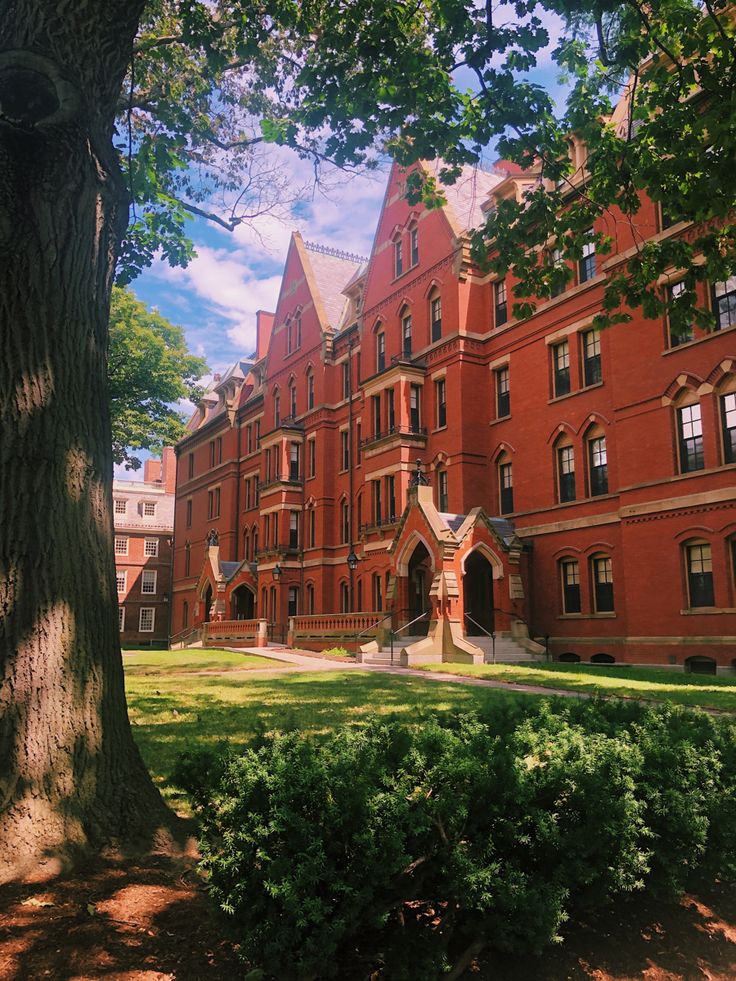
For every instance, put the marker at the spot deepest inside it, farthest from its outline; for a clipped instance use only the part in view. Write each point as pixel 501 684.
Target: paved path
pixel 300 662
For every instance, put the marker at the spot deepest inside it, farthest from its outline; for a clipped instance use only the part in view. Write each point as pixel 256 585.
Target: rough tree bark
pixel 71 777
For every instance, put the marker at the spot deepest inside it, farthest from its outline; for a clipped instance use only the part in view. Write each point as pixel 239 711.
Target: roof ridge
pixel 336 253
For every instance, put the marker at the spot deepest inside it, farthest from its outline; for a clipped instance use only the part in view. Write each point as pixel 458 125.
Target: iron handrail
pixel 490 634
pixel 394 633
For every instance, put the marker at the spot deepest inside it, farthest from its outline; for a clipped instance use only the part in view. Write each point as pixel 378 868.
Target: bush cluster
pixel 401 852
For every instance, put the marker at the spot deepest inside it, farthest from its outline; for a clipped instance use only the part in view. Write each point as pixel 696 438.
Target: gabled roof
pixel 466 196
pixel 332 271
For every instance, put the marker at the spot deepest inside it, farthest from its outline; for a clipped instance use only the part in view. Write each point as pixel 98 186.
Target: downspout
pixel 350 471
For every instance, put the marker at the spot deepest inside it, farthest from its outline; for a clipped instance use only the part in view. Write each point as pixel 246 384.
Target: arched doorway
pixel 478 594
pixel 207 600
pixel 243 603
pixel 420 580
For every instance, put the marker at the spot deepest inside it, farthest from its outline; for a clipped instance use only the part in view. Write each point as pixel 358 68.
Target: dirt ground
pixel 151 921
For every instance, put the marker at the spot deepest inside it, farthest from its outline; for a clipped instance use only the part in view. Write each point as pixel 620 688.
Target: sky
pixel 234 274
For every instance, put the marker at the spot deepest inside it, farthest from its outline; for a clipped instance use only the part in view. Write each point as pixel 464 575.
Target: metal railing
pixel 415 431
pixel 488 633
pixel 395 633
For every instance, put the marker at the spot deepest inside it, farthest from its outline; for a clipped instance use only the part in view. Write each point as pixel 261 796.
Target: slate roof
pixel 504 529
pixel 453 521
pixel 332 271
pixel 228 569
pixel 467 194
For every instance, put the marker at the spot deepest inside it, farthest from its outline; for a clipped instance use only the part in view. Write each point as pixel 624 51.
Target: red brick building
pixel 580 486
pixel 144 525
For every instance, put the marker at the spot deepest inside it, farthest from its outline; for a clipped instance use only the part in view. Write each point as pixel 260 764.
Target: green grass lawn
pixel 632 682
pixel 154 662
pixel 172 712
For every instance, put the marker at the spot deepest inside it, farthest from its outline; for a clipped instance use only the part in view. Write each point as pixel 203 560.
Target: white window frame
pixel 124 539
pixel 145 509
pixel 147 544
pixel 121 505
pixel 121 574
pixel 149 576
pixel 152 611
pixel 121 618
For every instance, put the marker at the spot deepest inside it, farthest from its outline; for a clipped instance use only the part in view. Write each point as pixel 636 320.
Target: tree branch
pixel 157 42
pixel 210 216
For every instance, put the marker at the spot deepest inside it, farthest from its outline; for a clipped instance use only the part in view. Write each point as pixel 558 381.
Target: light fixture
pixel 276 572
pixel 352 561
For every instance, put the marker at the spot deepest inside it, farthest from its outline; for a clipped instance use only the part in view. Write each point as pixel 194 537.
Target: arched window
pixel 443 496
pixel 597 461
pixel 690 449
pixel 505 484
pixel 344 522
pixel 699 570
pixel 565 466
pixel 276 407
pixel 570 583
pixel 380 349
pixel 727 405
pixel 406 332
pixel 344 598
pixel 310 598
pixel 246 545
pixel 601 567
pixel 292 399
pixel 602 659
pixel 569 658
pixel 310 389
pixel 187 558
pixel 254 542
pixel 435 314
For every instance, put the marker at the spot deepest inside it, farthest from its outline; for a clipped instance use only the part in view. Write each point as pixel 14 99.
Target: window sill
pixel 405 272
pixel 578 391
pixel 499 419
pixel 439 429
pixel 699 340
pixel 587 616
pixel 707 611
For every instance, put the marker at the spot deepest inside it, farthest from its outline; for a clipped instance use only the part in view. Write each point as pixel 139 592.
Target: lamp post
pixel 493 645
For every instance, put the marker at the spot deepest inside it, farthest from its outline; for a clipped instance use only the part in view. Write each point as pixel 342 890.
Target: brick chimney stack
pixel 152 471
pixel 168 469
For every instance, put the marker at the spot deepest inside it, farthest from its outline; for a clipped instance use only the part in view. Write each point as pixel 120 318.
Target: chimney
pixel 168 469
pixel 152 471
pixel 264 326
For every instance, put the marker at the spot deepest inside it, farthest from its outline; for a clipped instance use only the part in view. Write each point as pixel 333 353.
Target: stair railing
pixel 488 633
pixel 395 633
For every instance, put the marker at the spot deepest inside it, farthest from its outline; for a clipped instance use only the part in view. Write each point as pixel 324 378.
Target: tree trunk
pixel 71 777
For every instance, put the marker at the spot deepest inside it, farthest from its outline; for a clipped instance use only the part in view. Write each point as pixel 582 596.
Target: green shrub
pixel 338 652
pixel 397 849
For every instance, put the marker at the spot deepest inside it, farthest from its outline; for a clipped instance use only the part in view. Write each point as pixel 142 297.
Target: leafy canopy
pixel 149 370
pixel 212 83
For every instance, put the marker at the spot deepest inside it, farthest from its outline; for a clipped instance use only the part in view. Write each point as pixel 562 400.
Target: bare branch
pixel 210 216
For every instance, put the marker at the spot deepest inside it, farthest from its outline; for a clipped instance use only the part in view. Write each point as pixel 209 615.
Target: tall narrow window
pixel 678 333
pixel 570 571
pixel 121 579
pixel 603 584
pixel 435 316
pixel 312 452
pixel 293 529
pixel 344 522
pixel 566 473
pixel 598 461
pixel 414 241
pixel 189 513
pixel 289 337
pixel 415 417
pixel 406 335
pixel 724 303
pixel 146 620
pixel 121 617
pixel 294 461
pixel 249 438
pixel 213 503
pixel 398 258
pixel 561 368
pixel 377 592
pixel 293 608
pixel 312 527
pixel 310 599
pixel 345 380
pixel 187 559
pixel 390 410
pixel 148 581
pixel 440 398
pixel 500 303
pixel 380 352
pixel 503 393
pixel 344 450
pixel 690 432
pixel 247 494
pixel 376 415
pixel 506 486
pixel 190 472
pixel 592 357
pixel 559 281
pixel 700 575
pixel 277 409
pixel 310 389
pixel 185 615
pixel 728 419
pixel 377 509
pixel 292 401
pixel 586 265
pixel 390 498
pixel 442 494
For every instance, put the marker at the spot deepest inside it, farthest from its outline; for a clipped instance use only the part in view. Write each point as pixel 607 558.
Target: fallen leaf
pixel 32 901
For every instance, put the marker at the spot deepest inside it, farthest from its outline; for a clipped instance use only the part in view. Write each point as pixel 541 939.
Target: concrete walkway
pixel 300 662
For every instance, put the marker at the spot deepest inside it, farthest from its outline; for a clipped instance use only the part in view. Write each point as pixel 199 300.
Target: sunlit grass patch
pixel 658 684
pixel 196 659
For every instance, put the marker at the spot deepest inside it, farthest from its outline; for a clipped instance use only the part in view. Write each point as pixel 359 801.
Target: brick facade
pixel 144 526
pixel 611 457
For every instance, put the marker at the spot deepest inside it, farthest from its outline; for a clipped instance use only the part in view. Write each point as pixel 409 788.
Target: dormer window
pixel 414 240
pixel 398 258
